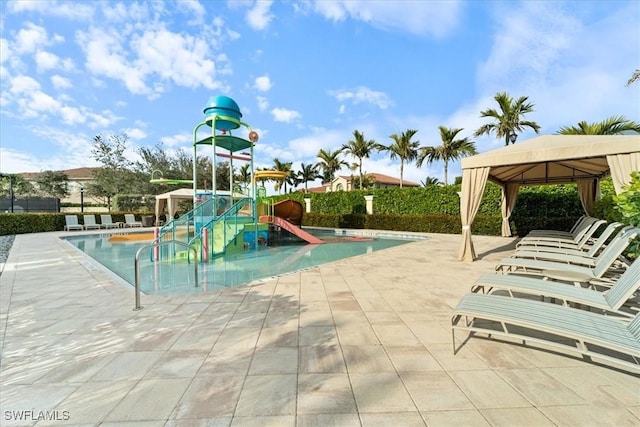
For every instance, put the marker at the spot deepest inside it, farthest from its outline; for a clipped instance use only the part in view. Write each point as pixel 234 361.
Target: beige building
pixel 79 178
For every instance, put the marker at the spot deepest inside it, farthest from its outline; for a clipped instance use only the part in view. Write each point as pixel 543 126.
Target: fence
pixel 29 204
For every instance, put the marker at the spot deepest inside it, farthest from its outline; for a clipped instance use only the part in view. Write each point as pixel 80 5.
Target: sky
pixel 305 74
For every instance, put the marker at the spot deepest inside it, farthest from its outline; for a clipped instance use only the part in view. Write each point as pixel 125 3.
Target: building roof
pixel 384 179
pixel 76 173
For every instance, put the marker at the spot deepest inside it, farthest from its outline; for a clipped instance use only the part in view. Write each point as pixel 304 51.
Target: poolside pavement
pixel 364 341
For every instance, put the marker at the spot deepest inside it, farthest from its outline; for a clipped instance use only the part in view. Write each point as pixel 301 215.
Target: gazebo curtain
pixel 473 183
pixel 621 166
pixel 509 197
pixel 588 190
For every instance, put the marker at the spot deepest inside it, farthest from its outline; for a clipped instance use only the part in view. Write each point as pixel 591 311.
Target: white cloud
pixel 72 10
pixel 60 82
pixel 104 57
pixel 135 133
pixel 177 140
pixel 284 115
pixel 5 50
pixel 260 15
pixel 46 60
pixel 362 95
pixel 31 38
pixel 263 103
pixel 263 83
pixel 156 53
pixel 432 18
pixel 23 84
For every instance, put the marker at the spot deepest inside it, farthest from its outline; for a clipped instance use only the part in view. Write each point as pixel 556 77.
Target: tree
pixel 115 175
pixel 403 148
pixel 430 180
pixel 15 184
pixel 361 149
pixel 307 173
pixel 634 77
pixel 244 177
pixel 611 126
pixel 53 184
pixel 451 149
pixel 508 121
pixel 281 167
pixel 330 163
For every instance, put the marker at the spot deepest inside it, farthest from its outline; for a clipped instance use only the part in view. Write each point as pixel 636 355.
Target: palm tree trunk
pixel 401 172
pixel 360 171
pixel 446 173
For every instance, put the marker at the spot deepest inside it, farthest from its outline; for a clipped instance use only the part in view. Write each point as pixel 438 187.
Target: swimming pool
pixel 177 277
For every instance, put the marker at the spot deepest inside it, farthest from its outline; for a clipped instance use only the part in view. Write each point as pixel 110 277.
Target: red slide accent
pixel 293 229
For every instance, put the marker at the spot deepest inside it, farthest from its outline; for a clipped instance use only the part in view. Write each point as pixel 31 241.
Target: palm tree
pixel 507 122
pixel 244 177
pixel 361 149
pixel 307 173
pixel 281 167
pixel 451 149
pixel 611 126
pixel 634 77
pixel 430 180
pixel 330 162
pixel 403 148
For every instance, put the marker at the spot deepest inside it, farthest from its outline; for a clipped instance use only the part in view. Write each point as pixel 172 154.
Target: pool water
pixel 177 277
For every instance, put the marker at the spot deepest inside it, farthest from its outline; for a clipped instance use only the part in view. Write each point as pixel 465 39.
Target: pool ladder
pixel 158 244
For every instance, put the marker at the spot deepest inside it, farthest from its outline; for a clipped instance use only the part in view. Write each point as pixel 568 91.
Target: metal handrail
pixel 157 243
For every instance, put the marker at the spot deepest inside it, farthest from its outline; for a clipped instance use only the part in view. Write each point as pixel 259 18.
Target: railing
pixel 230 226
pixel 156 244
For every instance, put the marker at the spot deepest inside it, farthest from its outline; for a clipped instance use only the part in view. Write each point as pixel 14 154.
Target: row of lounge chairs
pixel 563 291
pixel 89 222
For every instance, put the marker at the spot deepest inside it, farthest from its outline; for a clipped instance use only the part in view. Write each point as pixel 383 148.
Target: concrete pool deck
pixel 364 341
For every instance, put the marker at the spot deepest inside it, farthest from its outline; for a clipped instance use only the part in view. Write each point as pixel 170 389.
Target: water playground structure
pixel 224 221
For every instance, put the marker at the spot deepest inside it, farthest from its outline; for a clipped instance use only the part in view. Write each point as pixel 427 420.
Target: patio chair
pixel 581 237
pixel 572 248
pixel 130 221
pixel 591 335
pixel 618 299
pixel 574 256
pixel 571 268
pixel 90 222
pixel 107 222
pixel 71 223
pixel 577 225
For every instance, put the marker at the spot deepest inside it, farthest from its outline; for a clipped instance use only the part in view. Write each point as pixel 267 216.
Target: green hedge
pixel 489 225
pixel 443 200
pixel 23 223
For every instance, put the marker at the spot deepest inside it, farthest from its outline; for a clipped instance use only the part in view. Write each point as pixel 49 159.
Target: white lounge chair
pixel 580 238
pixel 589 334
pixel 573 256
pixel 579 269
pixel 618 299
pixel 580 223
pixel 130 221
pixel 90 222
pixel 107 222
pixel 572 248
pixel 71 223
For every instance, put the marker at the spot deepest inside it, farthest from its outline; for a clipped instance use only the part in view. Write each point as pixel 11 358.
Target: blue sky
pixel 305 74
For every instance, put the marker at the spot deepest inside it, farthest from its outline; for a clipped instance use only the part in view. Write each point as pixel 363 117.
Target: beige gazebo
pixel 170 201
pixel 547 159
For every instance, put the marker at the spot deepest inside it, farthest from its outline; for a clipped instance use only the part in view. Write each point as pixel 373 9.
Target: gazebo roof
pixel 553 158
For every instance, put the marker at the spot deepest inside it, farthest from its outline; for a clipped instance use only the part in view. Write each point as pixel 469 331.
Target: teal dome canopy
pixel 222 106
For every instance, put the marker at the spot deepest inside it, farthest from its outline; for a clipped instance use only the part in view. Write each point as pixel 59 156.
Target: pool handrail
pixel 154 244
